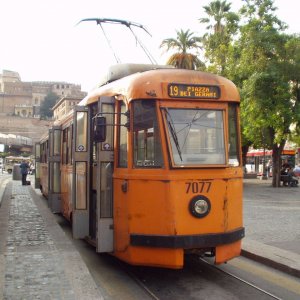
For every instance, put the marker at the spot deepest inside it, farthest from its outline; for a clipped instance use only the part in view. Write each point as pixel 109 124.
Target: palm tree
pixel 222 26
pixel 184 41
pixel 217 11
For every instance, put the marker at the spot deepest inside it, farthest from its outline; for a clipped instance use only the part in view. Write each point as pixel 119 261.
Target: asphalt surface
pixel 37 261
pixel 272 222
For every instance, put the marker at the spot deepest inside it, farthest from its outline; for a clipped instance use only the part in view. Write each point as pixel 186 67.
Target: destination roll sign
pixel 177 90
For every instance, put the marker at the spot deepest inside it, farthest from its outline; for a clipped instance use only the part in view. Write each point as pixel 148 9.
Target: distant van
pixel 10 161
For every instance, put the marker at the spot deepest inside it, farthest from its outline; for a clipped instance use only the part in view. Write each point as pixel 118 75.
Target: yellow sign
pixel 177 90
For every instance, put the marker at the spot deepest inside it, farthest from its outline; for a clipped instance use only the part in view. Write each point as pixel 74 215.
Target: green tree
pixel 222 27
pixel 265 58
pixel 292 50
pixel 46 106
pixel 182 59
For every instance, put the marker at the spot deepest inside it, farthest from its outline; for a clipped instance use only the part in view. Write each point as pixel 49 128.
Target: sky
pixel 40 40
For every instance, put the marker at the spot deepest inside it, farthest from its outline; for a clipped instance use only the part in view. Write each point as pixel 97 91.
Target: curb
pixel 279 259
pixel 3 184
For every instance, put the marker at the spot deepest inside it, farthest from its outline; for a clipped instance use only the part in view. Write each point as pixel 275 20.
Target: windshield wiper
pixel 173 133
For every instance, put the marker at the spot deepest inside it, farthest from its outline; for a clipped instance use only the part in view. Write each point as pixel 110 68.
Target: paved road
pixel 272 215
pixel 272 222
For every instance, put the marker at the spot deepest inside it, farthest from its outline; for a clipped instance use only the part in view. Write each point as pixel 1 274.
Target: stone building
pixel 20 103
pixel 24 98
pixel 63 106
pixel 24 110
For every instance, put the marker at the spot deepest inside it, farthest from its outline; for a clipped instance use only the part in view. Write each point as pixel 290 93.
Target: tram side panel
pixel 144 209
pixel 44 169
pixel 44 181
pixel 66 190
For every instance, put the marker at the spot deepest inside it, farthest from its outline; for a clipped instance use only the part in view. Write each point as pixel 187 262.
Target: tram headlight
pixel 199 206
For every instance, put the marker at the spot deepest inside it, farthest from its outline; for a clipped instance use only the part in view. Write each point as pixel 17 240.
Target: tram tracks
pixel 198 280
pixel 241 280
pixel 141 284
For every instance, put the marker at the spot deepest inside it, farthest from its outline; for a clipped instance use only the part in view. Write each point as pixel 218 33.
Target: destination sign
pixel 177 90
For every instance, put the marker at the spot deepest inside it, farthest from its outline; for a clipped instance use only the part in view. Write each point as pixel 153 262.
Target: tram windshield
pixel 196 136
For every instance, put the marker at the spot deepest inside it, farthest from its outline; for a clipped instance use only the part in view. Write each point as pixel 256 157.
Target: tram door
pixel 105 159
pixel 54 196
pixel 81 174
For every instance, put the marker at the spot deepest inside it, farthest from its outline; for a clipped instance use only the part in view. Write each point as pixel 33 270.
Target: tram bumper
pixel 226 244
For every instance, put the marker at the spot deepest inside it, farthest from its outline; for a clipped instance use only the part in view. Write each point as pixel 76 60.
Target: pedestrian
pixel 297 170
pixel 24 171
pixel 269 168
pixel 286 166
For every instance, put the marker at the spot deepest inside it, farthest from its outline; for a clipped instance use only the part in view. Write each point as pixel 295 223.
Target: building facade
pixel 63 106
pixel 24 99
pixel 20 103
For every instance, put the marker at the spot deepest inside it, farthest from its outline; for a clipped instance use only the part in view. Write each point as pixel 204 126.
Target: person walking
pixel 269 168
pixel 24 171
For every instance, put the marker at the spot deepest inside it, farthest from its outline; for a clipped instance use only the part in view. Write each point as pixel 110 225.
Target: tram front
pixel 181 190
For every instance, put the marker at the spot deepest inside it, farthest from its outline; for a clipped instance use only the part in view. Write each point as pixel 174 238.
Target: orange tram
pixel 148 166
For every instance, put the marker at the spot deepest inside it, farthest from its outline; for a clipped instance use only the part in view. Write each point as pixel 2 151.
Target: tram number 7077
pixel 197 187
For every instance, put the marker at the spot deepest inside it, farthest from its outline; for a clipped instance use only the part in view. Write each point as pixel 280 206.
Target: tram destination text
pixel 176 90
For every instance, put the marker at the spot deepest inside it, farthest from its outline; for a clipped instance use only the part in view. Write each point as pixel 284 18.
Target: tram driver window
pixel 146 137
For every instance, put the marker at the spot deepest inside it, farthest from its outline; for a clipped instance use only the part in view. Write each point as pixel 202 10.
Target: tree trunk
pixel 245 149
pixel 276 157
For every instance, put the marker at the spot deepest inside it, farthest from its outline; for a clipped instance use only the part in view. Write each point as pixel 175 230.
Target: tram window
pixel 108 112
pixel 69 144
pixel 94 111
pixel 122 161
pixel 64 147
pixel 147 144
pixel 56 142
pixel 233 135
pixel 81 185
pixel 81 131
pixel 196 136
pixel 47 151
pixel 37 151
pixel 106 189
pixel 51 142
pixel 55 177
pixel 44 152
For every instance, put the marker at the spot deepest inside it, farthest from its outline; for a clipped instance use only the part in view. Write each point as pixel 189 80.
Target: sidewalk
pixel 272 222
pixel 37 261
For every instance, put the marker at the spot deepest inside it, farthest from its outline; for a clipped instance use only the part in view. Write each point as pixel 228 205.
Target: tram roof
pixel 119 71
pixel 127 80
